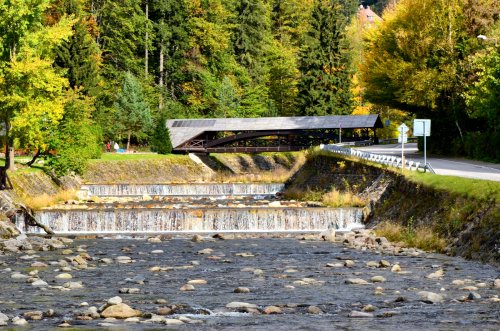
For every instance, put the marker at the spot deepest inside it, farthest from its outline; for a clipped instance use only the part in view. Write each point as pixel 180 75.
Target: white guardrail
pixel 389 160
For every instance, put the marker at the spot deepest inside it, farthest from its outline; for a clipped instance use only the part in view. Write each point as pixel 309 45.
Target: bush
pixel 160 141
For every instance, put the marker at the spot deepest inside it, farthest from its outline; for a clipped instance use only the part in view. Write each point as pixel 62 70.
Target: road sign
pixel 404 139
pixel 403 128
pixel 421 128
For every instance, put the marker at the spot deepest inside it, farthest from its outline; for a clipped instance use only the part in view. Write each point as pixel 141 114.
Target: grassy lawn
pixel 474 188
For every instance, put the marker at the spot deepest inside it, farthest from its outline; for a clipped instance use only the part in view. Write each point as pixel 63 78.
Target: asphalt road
pixel 441 165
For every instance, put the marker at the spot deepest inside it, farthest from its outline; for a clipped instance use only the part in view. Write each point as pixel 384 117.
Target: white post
pixel 402 150
pixel 425 146
pixel 340 134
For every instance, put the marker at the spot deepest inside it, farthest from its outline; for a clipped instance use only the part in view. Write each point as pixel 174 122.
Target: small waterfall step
pixel 161 220
pixel 198 189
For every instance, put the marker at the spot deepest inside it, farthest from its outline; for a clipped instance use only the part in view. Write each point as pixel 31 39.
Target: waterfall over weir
pixel 195 189
pixel 157 220
pixel 200 207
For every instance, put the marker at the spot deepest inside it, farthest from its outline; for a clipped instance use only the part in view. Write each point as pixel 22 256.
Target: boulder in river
pixel 430 297
pixel 121 311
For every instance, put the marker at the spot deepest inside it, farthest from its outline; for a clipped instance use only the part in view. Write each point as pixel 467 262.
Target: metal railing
pixel 389 160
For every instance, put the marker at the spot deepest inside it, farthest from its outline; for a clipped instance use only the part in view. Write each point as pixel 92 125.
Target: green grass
pixel 128 157
pixel 473 188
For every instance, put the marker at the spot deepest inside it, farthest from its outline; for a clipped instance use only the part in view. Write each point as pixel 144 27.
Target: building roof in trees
pixel 367 16
pixel 185 130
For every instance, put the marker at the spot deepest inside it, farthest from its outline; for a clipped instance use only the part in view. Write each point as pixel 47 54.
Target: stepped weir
pixel 190 208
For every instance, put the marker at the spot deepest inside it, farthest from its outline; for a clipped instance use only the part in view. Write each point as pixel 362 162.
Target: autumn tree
pixel 417 61
pixel 31 90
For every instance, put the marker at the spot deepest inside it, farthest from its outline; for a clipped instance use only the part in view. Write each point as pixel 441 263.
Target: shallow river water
pixel 283 265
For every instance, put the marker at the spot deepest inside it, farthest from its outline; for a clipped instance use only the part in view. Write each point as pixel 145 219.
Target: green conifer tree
pixel 325 83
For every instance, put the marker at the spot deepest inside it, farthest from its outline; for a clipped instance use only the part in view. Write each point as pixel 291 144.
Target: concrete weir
pixel 191 208
pixel 195 189
pixel 160 220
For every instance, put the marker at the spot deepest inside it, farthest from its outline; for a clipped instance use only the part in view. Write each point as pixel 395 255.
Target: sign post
pixel 422 127
pixel 403 137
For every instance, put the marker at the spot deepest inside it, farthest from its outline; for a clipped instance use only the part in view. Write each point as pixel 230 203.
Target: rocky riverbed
pixel 287 282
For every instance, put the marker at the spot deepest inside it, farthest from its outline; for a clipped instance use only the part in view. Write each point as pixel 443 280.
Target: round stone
pixel 242 290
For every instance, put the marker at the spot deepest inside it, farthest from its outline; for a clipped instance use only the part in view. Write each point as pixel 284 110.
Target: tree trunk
pixel 128 141
pixel 161 70
pixel 9 149
pixel 146 43
pixel 37 154
pixel 161 63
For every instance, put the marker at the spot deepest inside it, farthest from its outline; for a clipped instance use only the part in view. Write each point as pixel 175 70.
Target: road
pixel 441 165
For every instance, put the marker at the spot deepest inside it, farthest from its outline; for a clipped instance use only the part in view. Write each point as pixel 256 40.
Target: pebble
pixel 126 290
pixel 356 281
pixel 73 285
pixel 377 279
pixel 430 297
pixel 496 283
pixel 435 275
pixel 269 310
pixel 314 310
pixel 39 265
pixel 334 265
pixel 154 240
pixel 458 282
pixel 239 305
pixel 187 287
pixel 469 288
pixel 4 319
pixel 64 325
pixel 242 290
pixel 384 264
pixel 173 321
pixel 64 276
pixel 160 301
pixel 369 308
pixel 39 283
pixel 473 296
pixel 197 282
pixel 360 314
pixel 19 321
pixel 349 263
pixel 396 268
pixel 35 315
pixel 164 311
pixel 123 259
pixel 197 238
pixel 18 275
pixel 157 251
pixel 120 310
pixel 372 264
pixel 114 300
pixel 205 251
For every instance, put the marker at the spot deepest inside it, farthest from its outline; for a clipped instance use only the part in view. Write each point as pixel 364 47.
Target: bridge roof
pixel 183 130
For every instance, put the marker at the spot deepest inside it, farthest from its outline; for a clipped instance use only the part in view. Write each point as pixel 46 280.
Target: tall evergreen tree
pixel 80 56
pixel 325 83
pixel 133 114
pixel 252 37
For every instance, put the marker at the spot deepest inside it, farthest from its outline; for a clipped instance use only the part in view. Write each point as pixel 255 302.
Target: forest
pixel 75 74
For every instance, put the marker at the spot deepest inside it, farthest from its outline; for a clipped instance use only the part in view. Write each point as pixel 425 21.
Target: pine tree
pixel 324 87
pixel 133 113
pixel 252 37
pixel 80 56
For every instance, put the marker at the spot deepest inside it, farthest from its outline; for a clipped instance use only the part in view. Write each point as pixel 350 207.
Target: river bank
pixel 135 284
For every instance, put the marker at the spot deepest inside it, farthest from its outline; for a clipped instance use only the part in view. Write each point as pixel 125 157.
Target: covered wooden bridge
pixel 267 134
